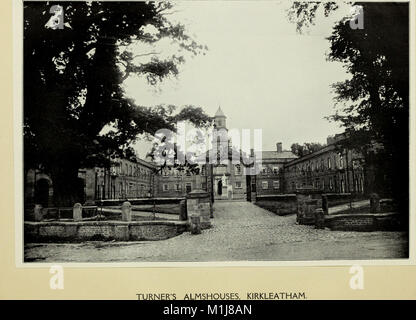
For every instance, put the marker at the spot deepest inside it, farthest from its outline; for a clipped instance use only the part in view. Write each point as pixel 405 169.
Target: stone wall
pixel 364 222
pixel 335 199
pixel 161 205
pixel 279 204
pixel 102 230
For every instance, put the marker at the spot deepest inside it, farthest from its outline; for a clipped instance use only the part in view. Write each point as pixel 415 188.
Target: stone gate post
pixel 126 211
pixel 77 212
pixel 38 212
pixel 198 203
pixel 308 200
pixel 374 203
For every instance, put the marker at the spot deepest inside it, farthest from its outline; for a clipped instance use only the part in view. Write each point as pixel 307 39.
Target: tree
pixel 373 105
pixel 305 149
pixel 73 85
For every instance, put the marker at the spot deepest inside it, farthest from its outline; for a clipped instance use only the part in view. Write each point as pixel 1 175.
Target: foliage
pixel 305 149
pixel 303 14
pixel 75 111
pixel 373 105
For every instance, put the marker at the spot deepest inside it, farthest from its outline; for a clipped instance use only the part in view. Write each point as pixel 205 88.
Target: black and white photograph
pixel 214 132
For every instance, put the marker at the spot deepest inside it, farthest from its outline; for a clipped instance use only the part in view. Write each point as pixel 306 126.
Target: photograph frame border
pixel 18 176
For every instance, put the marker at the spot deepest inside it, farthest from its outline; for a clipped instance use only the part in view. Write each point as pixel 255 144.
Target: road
pixel 241 232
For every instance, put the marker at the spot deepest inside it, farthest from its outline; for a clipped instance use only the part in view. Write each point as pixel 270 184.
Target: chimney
pixel 330 140
pixel 279 147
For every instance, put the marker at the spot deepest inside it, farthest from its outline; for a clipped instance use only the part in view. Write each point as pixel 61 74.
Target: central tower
pixel 220 120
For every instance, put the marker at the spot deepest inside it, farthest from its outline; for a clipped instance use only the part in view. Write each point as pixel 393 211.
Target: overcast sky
pixel 262 73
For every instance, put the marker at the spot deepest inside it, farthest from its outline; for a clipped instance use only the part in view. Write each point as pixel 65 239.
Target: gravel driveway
pixel 241 231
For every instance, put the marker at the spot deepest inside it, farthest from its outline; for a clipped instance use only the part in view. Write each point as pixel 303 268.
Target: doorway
pixel 248 184
pixel 219 189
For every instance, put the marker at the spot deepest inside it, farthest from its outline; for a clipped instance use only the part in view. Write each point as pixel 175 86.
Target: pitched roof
pixel 278 155
pixel 219 113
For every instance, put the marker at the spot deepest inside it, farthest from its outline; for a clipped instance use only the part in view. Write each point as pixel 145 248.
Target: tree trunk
pixel 65 187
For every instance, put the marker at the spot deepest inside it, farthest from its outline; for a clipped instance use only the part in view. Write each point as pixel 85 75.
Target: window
pixel 330 184
pixel 204 186
pixel 276 170
pixel 220 170
pixel 265 185
pixel 264 170
pixel 329 163
pixel 177 187
pixel 188 187
pixel 238 184
pixel 276 184
pixel 165 187
pixel 237 169
pixel 341 161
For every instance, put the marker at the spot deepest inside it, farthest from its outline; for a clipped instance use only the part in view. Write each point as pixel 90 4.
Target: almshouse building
pixel 124 179
pixel 331 169
pixel 270 179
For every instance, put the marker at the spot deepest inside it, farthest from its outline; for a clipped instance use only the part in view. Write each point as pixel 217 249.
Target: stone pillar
pixel 325 205
pixel 38 212
pixel 308 200
pixel 126 211
pixel 374 203
pixel 77 212
pixel 195 224
pixel 198 203
pixel 319 219
pixel 183 215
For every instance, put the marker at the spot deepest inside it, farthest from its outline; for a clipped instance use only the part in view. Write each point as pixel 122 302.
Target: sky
pixel 262 73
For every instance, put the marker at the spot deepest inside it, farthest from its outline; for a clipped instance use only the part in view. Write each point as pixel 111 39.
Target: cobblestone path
pixel 241 232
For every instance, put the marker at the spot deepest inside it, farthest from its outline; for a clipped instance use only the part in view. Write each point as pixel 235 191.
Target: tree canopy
pixel 373 104
pixel 73 84
pixel 304 149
